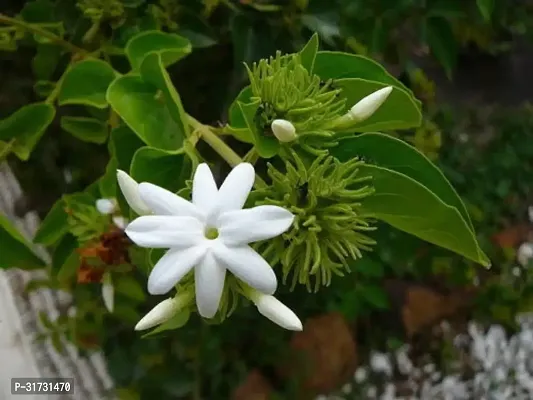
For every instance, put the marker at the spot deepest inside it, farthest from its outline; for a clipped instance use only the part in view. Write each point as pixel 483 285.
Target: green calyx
pixel 329 228
pixel 288 91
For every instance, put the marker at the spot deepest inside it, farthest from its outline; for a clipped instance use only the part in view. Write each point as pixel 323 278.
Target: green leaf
pixel 108 182
pixel 400 110
pixel 170 46
pixel 26 126
pixel 126 312
pixel 339 65
pixel 442 43
pixel 65 259
pixel 143 109
pixel 123 144
pixel 409 206
pixel 162 168
pixel 43 89
pixel 153 72
pixel 177 321
pixel 237 123
pixel 129 287
pixel 54 226
pixel 486 8
pixel 45 321
pixel 86 83
pixel 86 129
pixel 45 61
pixel 368 268
pixel 266 146
pixel 15 251
pixel 389 152
pixel 308 53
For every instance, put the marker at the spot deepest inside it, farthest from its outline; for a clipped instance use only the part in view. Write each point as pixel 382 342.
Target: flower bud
pixel 277 312
pixel 108 292
pixel 369 104
pixel 163 311
pixel 130 189
pixel 284 130
pixel 120 222
pixel 524 254
pixel 106 206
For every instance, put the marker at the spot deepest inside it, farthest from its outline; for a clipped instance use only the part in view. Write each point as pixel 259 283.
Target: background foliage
pixel 442 50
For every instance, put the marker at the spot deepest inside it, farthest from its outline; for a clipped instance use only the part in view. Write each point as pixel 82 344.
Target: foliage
pixel 128 83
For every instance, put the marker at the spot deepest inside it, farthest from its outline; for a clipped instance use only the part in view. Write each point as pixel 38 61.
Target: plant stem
pixel 42 32
pixel 221 147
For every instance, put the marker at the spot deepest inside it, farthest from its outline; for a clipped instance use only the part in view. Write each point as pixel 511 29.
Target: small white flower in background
pixel 367 106
pixel 524 254
pixel 106 206
pixel 163 311
pixel 360 375
pixel 405 366
pixel 530 213
pixel 380 362
pixel 108 292
pixel 283 130
pixel 210 234
pixel 130 190
pixel 276 311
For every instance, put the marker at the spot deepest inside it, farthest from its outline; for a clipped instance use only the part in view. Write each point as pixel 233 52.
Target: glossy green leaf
pixel 442 43
pixel 153 72
pixel 162 168
pixel 45 61
pixel 237 126
pixel 86 83
pixel 339 65
pixel 54 226
pixel 399 111
pixel 170 46
pixel 15 251
pixel 65 259
pixel 108 182
pixel 308 53
pixel 179 320
pixel 266 146
pixel 26 126
pixel 143 108
pixel 409 206
pixel 389 152
pixel 123 143
pixel 86 129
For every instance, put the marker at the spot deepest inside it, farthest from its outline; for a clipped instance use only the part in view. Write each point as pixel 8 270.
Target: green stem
pixel 42 32
pixel 221 147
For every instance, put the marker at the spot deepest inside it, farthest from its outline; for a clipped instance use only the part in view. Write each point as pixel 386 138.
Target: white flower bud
pixel 277 312
pixel 525 254
pixel 130 189
pixel 284 130
pixel 106 206
pixel 369 104
pixel 120 222
pixel 108 293
pixel 162 312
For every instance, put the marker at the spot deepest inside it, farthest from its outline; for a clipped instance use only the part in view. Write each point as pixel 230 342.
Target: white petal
pixel 108 293
pixel 164 202
pixel 157 315
pixel 236 187
pixel 172 267
pixel 157 231
pixel 106 206
pixel 369 104
pixel 253 224
pixel 204 189
pixel 278 312
pixel 248 266
pixel 209 278
pixel 130 190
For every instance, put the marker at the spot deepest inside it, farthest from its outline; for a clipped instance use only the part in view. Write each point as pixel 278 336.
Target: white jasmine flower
pixel 276 311
pixel 368 105
pixel 380 362
pixel 106 206
pixel 283 130
pixel 108 292
pixel 130 190
pixel 360 375
pixel 163 311
pixel 210 234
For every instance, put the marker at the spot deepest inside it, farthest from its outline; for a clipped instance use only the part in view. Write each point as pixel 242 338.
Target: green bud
pixel 329 230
